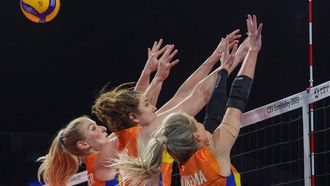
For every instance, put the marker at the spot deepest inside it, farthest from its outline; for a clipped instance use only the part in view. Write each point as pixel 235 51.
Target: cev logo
pixel 321 91
pixel 316 93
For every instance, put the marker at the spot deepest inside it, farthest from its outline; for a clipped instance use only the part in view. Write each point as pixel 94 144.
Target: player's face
pixel 147 111
pixel 95 135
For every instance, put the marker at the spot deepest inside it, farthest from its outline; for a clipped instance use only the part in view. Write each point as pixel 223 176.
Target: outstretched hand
pixel 254 33
pixel 233 39
pixel 165 62
pixel 153 55
pixel 227 57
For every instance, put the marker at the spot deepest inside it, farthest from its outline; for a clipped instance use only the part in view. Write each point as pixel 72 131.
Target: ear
pixel 83 145
pixel 133 117
pixel 197 137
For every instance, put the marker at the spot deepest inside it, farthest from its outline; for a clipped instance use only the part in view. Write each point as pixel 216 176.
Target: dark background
pixel 50 73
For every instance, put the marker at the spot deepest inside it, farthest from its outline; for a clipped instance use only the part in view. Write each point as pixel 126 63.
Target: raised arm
pixel 187 87
pixel 196 100
pixel 216 107
pixel 164 66
pixel 202 91
pixel 225 135
pixel 150 66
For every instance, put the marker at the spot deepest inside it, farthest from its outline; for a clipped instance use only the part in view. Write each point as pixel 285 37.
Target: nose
pixel 103 129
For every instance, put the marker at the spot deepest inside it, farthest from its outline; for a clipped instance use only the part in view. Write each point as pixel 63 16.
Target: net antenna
pixel 311 105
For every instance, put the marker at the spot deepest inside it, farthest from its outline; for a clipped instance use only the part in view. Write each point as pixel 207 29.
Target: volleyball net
pixel 274 146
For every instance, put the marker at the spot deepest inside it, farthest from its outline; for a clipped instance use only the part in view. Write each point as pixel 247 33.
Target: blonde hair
pixel 176 134
pixel 63 158
pixel 113 107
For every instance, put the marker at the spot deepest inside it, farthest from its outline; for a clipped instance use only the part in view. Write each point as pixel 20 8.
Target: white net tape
pixel 287 104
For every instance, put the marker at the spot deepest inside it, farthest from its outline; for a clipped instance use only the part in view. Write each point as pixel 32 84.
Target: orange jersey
pixel 92 180
pixel 128 140
pixel 202 168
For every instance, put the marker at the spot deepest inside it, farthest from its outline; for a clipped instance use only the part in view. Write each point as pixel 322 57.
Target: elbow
pixel 197 101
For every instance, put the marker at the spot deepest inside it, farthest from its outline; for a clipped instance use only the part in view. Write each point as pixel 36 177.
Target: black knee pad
pixel 240 92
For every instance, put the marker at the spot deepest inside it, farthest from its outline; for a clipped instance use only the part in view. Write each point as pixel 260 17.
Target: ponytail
pixel 143 169
pixel 63 158
pixel 58 165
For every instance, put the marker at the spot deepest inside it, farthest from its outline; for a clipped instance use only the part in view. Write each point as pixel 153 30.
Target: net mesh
pixel 270 152
pixel 322 143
